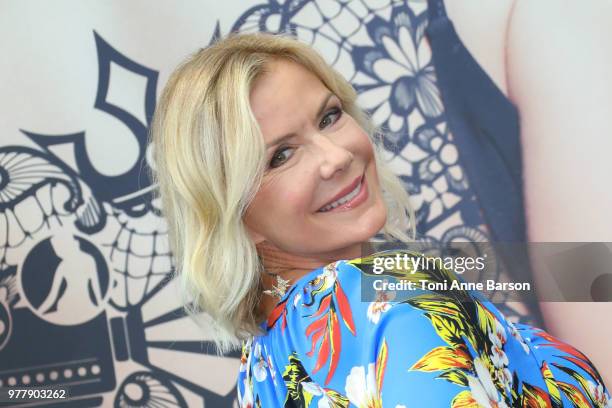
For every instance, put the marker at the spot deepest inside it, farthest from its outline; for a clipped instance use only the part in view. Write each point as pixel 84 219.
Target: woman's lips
pixel 361 196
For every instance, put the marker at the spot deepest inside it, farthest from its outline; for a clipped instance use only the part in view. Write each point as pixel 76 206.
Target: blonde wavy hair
pixel 209 159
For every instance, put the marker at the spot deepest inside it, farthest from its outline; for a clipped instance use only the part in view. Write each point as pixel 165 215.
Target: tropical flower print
pixel 498 339
pixel 498 356
pixel 482 388
pixel 380 305
pixel 361 387
pixel 587 388
pixel 331 349
pixel 301 389
pixel 316 390
pixel 331 309
pixel 260 369
pixel 376 309
pixel 598 394
pixel 364 389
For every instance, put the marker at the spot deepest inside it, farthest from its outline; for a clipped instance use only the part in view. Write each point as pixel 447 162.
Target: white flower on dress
pixel 315 389
pixel 505 376
pixel 498 338
pixel 380 305
pixel 325 402
pixel 499 357
pixel 261 365
pixel 375 309
pixel 483 389
pixel 599 394
pixel 361 387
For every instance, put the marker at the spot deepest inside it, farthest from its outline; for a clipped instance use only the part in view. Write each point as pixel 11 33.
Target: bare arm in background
pixel 559 74
pixel 550 58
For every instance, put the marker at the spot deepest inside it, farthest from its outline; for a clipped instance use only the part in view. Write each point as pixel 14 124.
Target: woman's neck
pixel 292 267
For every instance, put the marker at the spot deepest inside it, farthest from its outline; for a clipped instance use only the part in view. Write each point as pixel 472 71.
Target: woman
pixel 271 180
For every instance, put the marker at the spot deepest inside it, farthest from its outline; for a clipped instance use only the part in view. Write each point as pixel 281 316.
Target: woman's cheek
pixel 365 145
pixel 295 201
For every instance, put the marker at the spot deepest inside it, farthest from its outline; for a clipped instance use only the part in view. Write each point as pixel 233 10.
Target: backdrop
pixel 85 298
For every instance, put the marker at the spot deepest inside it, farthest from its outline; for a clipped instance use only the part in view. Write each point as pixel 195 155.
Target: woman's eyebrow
pixel 293 134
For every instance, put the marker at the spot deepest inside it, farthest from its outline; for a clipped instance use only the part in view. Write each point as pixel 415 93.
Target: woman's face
pixel 327 158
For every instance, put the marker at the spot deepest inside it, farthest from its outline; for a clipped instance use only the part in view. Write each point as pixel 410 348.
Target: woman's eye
pixel 277 158
pixel 280 156
pixel 334 114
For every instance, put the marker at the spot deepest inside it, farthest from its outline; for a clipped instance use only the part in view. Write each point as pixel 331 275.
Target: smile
pixel 349 201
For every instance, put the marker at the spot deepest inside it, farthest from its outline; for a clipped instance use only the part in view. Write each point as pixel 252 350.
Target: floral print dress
pixel 325 347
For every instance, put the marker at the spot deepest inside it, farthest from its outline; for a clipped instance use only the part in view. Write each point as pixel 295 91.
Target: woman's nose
pixel 334 157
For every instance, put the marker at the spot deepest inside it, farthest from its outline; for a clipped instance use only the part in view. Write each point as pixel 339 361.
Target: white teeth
pixel 342 200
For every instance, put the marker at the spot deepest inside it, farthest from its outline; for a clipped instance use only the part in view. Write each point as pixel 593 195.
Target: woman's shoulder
pixel 353 291
pixel 340 288
pixel 336 315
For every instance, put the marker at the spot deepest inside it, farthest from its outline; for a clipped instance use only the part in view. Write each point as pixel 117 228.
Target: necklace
pixel 279 289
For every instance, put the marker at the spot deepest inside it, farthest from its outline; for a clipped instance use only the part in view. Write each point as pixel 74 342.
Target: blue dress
pixel 325 347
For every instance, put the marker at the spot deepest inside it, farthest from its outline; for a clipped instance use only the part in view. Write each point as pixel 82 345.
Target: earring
pixel 279 289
